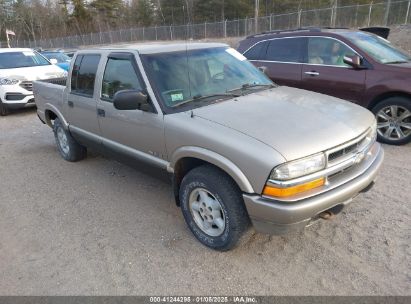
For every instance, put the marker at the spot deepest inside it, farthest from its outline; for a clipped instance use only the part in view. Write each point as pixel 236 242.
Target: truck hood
pixel 294 122
pixel 33 73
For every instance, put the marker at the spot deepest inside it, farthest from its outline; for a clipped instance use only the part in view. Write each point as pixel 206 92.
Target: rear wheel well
pixel 385 96
pixel 50 116
pixel 185 165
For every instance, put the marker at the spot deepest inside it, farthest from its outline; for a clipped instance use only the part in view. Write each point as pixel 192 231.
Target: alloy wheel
pixel 207 212
pixel 394 122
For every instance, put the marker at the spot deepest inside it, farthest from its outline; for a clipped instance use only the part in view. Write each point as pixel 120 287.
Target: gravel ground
pixel 98 227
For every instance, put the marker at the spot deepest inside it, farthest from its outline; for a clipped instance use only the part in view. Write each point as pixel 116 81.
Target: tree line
pixel 42 19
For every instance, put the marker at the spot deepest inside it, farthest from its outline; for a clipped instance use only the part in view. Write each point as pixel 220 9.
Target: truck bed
pixel 49 94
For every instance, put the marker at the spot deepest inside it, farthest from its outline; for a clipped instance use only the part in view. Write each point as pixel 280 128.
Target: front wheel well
pixel 185 165
pixel 385 96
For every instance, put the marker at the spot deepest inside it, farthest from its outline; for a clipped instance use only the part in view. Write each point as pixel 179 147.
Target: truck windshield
pixel 378 48
pixel 202 76
pixel 13 60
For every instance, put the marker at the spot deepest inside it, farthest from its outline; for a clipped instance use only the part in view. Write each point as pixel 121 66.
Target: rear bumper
pixel 275 217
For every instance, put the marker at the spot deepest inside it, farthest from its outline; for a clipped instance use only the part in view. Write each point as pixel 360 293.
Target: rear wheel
pixel 3 109
pixel 213 207
pixel 393 120
pixel 68 147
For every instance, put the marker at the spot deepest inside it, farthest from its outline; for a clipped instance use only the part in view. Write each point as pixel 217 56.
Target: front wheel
pixel 68 147
pixel 213 207
pixel 393 117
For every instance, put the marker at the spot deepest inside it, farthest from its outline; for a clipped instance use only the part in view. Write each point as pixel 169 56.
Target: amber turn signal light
pixel 284 192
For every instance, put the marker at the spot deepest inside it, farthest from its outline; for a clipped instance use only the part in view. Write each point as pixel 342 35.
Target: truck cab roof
pixel 154 48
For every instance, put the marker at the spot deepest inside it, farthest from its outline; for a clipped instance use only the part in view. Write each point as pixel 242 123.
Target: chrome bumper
pixel 279 217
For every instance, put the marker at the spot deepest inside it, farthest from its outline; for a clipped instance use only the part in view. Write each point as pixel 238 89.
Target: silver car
pixel 239 148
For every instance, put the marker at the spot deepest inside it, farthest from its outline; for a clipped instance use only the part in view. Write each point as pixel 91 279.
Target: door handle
pixel 70 104
pixel 312 73
pixel 101 113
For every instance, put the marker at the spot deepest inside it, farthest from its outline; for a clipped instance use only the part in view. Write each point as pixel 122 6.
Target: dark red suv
pixel 350 64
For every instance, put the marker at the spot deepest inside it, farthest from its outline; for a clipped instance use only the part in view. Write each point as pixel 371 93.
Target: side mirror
pixel 131 100
pixel 53 61
pixel 354 61
pixel 263 69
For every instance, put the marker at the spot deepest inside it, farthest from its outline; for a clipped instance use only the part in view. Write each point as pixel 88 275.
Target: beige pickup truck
pixel 239 148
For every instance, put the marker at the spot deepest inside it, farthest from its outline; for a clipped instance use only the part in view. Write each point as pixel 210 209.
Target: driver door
pixel 125 129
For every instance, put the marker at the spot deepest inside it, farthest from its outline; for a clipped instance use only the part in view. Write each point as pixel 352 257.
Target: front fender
pixel 216 159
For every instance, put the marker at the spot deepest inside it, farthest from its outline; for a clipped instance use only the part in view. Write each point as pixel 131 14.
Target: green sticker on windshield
pixel 177 97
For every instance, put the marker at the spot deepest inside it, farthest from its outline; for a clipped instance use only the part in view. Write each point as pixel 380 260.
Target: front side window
pixel 199 77
pixel 327 51
pixel 13 60
pixel 378 48
pixel 119 75
pixel 84 74
pixel 286 50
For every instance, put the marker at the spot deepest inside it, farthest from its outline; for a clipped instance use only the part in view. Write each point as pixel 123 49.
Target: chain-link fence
pixel 354 16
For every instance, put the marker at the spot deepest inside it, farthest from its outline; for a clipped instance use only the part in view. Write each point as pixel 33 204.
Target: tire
pixel 69 149
pixel 210 199
pixel 4 111
pixel 393 120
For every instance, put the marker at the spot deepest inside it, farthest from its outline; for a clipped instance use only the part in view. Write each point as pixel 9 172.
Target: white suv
pixel 18 69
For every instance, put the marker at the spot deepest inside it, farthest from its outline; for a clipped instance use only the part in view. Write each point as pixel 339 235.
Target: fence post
pixel 205 30
pixel 387 12
pixel 408 11
pixel 271 25
pixel 245 26
pixel 225 28
pixel 144 37
pixel 299 19
pixel 369 14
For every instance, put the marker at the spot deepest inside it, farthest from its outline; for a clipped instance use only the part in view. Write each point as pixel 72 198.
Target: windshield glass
pixel 377 47
pixel 207 75
pixel 12 60
pixel 60 57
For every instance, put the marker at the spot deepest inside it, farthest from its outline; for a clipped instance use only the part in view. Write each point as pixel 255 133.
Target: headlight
pixel 7 81
pixel 299 167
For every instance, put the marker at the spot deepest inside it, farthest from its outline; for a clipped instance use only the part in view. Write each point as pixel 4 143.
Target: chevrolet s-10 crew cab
pixel 239 148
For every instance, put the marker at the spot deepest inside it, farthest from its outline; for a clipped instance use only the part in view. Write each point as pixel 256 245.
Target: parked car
pixel 58 58
pixel 237 146
pixel 354 65
pixel 18 68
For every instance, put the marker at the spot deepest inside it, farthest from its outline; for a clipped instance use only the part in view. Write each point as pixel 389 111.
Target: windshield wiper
pixel 397 62
pixel 199 97
pixel 247 86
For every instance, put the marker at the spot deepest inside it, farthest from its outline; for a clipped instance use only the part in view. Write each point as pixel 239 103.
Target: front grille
pixel 337 154
pixel 27 85
pixel 345 152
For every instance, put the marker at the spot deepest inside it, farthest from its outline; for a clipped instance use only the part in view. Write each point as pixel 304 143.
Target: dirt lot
pixel 98 227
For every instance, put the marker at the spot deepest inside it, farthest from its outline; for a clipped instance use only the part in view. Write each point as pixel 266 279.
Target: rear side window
pixel 119 75
pixel 257 52
pixel 84 74
pixel 286 50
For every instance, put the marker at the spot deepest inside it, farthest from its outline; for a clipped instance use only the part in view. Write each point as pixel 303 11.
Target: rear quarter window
pixel 256 52
pixel 84 74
